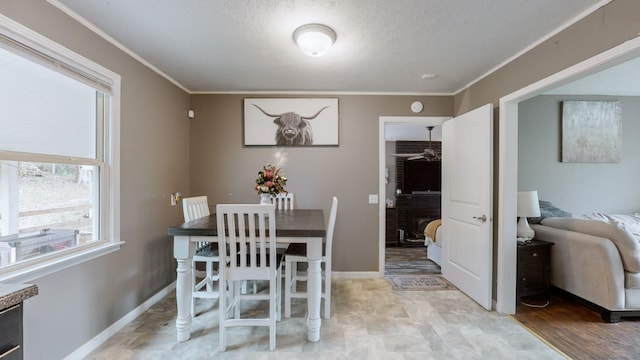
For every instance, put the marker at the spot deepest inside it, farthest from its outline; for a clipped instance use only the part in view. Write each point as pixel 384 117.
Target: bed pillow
pixel 547 210
pixel 618 232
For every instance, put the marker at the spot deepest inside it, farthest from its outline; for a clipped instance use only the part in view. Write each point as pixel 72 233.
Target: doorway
pixel 391 129
pixel 508 159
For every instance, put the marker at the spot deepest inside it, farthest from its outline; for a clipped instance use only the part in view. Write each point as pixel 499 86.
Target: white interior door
pixel 467 199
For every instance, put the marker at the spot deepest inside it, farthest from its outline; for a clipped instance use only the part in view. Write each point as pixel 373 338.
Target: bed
pixel 596 258
pixel 433 240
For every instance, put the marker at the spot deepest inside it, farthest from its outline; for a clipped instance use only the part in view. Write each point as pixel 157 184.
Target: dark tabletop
pixel 289 223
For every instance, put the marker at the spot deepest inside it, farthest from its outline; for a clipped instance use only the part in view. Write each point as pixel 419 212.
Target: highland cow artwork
pixel 291 121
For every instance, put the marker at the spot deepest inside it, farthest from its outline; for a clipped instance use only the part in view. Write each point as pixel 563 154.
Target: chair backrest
pixel 247 232
pixel 195 207
pixel 330 228
pixel 283 201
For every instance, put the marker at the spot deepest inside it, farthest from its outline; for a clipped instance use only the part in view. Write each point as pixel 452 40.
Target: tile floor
pixel 369 320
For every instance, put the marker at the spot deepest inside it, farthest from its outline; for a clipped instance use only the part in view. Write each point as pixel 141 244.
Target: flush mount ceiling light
pixel 314 39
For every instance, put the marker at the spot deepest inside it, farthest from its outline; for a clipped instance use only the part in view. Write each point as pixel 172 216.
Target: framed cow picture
pixel 290 122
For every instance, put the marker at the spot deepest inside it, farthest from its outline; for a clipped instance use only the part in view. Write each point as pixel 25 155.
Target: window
pixel 59 149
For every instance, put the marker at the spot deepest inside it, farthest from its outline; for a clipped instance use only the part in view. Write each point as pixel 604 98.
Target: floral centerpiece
pixel 270 179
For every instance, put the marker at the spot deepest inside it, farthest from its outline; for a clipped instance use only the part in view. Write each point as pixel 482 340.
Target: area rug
pixel 419 282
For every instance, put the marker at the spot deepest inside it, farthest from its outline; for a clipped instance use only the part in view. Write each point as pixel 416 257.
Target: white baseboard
pixel 99 339
pixel 356 275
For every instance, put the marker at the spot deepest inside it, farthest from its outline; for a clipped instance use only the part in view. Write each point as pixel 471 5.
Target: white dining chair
pixel 283 201
pixel 296 254
pixel 206 252
pixel 247 231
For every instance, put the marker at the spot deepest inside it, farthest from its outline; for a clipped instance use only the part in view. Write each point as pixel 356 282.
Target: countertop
pixel 11 294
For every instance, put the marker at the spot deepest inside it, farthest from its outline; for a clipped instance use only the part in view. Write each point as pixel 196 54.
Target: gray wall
pixel 605 28
pixel 577 187
pixel 225 170
pixel 159 147
pixel 76 304
pixel 609 26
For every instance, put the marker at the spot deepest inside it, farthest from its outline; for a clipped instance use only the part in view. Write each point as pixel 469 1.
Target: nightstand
pixel 533 269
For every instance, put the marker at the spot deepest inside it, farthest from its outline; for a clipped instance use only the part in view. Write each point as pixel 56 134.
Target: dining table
pixel 292 226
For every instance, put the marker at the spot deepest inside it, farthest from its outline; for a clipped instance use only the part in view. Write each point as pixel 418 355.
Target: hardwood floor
pixel 409 261
pixel 579 332
pixel 571 327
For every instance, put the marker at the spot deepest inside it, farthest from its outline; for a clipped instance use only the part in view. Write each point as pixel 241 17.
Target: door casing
pixel 508 160
pixel 426 120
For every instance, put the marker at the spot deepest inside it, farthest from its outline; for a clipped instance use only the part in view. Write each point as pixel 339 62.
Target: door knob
pixel 482 218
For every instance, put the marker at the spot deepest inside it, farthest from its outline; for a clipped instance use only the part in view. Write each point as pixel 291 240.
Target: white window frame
pixel 29 270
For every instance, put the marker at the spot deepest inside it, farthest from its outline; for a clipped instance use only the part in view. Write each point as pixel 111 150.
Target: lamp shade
pixel 528 205
pixel 314 39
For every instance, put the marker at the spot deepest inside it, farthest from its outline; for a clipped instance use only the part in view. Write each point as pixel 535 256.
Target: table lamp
pixel 528 206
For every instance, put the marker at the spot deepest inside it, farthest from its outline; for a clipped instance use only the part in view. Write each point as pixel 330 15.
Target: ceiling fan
pixel 428 153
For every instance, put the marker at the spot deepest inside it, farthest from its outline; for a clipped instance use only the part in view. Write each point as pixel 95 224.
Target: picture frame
pixel 591 131
pixel 290 122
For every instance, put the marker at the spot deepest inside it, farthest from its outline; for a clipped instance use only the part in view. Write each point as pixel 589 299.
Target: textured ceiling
pixel 383 46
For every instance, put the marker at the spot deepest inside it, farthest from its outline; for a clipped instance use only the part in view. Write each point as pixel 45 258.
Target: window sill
pixel 32 270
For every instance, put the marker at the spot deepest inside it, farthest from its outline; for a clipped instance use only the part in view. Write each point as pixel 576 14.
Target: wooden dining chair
pixel 247 232
pixel 296 254
pixel 206 252
pixel 283 201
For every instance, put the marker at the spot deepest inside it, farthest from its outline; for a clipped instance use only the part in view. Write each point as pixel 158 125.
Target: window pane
pixel 51 207
pixel 43 111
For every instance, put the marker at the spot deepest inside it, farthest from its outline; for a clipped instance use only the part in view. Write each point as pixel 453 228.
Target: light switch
pixel 373 198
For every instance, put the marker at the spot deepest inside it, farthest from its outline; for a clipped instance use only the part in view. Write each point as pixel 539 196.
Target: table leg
pixel 314 290
pixel 182 250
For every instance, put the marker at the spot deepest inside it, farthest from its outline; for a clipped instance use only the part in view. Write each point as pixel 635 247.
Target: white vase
pixel 265 198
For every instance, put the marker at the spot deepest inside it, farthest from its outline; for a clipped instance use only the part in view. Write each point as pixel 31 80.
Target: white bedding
pixel 622 230
pixel 434 249
pixel 428 241
pixel 632 221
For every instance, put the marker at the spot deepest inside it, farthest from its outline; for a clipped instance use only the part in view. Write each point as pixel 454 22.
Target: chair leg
pixel 279 295
pixel 209 271
pixel 327 293
pixel 272 314
pixel 229 297
pixel 222 311
pixel 254 286
pixel 294 276
pixel 236 301
pixel 287 288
